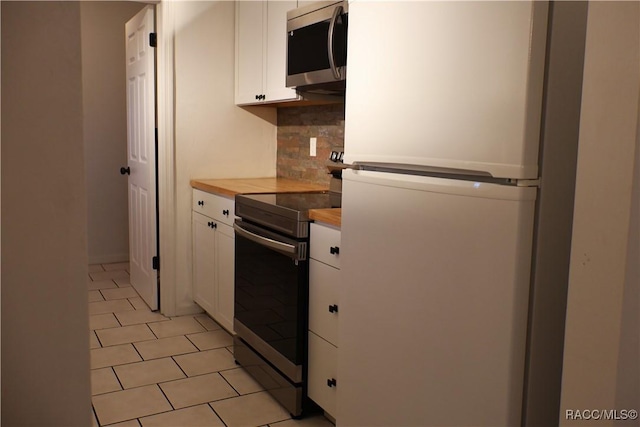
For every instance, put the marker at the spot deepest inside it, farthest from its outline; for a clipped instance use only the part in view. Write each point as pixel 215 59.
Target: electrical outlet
pixel 312 146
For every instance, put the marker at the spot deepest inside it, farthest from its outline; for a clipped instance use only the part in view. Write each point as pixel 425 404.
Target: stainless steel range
pixel 272 291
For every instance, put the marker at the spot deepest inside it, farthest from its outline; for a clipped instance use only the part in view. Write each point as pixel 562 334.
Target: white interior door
pixel 141 156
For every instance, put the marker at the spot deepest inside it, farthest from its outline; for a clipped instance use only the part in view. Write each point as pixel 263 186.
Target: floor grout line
pixel 203 320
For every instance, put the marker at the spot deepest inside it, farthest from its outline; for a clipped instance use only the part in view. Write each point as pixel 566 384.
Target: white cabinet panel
pixel 276 52
pixel 213 256
pixel 325 244
pixel 217 207
pixel 249 51
pixel 324 282
pixel 322 373
pixel 225 265
pixel 324 304
pixel 261 29
pixel 204 249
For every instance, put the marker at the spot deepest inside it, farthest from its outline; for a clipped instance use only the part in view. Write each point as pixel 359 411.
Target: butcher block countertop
pixel 231 187
pixel 329 216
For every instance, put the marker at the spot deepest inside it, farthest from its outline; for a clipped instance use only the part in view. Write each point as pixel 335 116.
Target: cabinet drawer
pixel 217 207
pixel 325 244
pixel 323 300
pixel 323 367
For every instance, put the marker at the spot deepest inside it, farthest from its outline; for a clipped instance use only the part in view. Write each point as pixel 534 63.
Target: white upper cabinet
pixel 448 84
pixel 249 51
pixel 261 28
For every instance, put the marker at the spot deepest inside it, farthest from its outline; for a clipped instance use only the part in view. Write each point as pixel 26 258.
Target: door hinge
pixel 153 39
pixel 156 263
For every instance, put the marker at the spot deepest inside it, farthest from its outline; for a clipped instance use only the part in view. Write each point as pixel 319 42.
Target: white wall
pixel 596 309
pixel 213 137
pixel 45 339
pixel 105 126
pixel 628 376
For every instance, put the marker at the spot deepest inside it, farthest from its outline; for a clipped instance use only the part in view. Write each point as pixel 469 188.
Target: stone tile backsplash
pixel 295 126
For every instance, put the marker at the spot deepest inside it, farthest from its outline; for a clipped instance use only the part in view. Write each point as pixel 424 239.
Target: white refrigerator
pixel 442 125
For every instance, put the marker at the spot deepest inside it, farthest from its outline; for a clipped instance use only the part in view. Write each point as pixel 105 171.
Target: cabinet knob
pixel 125 171
pixel 333 308
pixel 334 250
pixel 331 382
pixel 225 212
pixel 200 203
pixel 257 96
pixel 212 224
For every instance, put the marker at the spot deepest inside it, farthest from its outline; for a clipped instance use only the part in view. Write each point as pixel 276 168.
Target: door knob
pixel 125 171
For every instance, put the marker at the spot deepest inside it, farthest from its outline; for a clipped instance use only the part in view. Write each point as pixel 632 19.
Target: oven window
pixel 271 297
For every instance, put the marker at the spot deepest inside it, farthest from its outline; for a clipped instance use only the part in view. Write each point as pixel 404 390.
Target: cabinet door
pixel 249 51
pixel 225 246
pixel 219 208
pixel 204 242
pixel 276 52
pixel 323 363
pixel 323 300
pixel 325 244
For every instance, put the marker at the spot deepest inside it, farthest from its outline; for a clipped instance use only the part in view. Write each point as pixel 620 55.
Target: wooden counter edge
pixel 232 187
pixel 328 216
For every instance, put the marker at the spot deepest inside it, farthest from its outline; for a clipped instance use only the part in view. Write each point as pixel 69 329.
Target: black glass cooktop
pixel 290 205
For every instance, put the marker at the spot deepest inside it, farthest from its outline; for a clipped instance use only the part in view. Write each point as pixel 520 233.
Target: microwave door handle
pixel 270 243
pixel 336 12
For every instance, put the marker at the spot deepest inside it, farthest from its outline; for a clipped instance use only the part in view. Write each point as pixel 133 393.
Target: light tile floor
pixel 148 370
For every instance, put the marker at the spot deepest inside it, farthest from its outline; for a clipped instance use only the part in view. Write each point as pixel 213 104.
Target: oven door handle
pixel 264 241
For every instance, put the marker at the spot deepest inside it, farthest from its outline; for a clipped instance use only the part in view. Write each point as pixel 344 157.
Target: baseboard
pixel 108 259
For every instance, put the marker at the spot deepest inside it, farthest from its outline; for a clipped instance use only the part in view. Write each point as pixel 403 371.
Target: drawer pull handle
pixel 333 308
pixel 331 382
pixel 200 203
pixel 225 212
pixel 334 250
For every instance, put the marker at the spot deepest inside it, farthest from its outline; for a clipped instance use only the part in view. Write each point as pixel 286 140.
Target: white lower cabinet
pixel 324 283
pixel 323 367
pixel 213 265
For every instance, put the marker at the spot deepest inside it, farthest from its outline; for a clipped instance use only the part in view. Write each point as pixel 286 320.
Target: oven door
pixel 271 296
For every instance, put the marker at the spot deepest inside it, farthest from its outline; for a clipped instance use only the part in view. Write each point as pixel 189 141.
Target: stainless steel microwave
pixel 317 47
